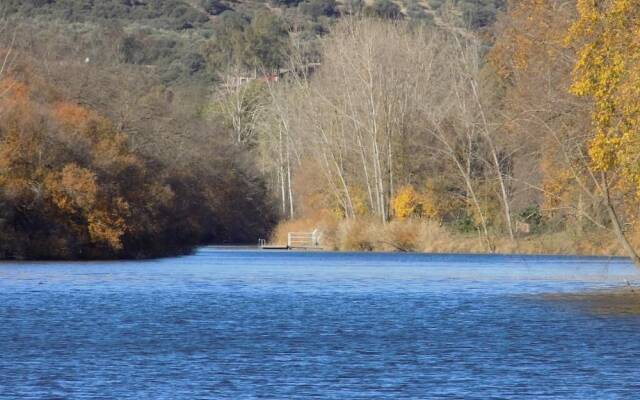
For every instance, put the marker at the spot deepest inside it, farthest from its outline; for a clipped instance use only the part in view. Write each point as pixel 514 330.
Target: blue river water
pixel 248 324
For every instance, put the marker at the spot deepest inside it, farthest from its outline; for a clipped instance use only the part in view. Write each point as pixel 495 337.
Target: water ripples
pixel 247 325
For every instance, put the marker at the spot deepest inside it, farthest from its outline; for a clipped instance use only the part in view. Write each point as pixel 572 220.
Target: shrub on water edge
pixel 354 235
pixel 403 235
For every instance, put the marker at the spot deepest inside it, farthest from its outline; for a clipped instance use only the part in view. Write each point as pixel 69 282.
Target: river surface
pixel 246 324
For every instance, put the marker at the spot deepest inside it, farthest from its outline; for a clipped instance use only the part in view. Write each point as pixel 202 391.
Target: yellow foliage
pixel 359 202
pixel 603 151
pixel 436 201
pixel 406 202
pixel 338 207
pixel 608 71
pixel 431 205
pixel 555 186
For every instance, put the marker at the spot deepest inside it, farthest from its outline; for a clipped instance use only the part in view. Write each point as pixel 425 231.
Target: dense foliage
pixel 100 160
pixel 195 40
pixel 71 188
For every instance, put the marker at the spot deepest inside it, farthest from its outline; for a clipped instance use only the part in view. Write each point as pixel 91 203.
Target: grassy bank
pixel 418 235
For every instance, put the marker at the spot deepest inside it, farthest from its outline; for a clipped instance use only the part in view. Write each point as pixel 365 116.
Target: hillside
pixel 193 40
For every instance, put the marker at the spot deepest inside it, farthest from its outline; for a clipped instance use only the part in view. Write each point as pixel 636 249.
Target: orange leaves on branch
pixel 109 148
pixel 75 191
pixel 109 225
pixel 74 188
pixel 111 153
pixel 14 97
pixel 72 115
pixel 603 151
pixel 13 91
pixel 433 204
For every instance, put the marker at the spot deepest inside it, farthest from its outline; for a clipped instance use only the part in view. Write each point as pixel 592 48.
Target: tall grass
pixel 420 235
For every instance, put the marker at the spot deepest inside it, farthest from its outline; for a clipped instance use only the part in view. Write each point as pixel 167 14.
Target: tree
pixel 258 44
pixel 532 70
pixel 406 203
pixel 227 46
pixel 468 71
pixel 608 72
pixel 266 41
pixel 7 42
pixel 240 106
pixel 372 125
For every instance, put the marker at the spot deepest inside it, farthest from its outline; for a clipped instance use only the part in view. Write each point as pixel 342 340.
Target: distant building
pixel 272 76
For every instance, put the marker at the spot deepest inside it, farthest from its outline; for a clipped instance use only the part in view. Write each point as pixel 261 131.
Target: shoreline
pixel 323 251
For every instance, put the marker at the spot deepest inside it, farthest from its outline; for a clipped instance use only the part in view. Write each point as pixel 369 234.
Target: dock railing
pixel 296 240
pixel 304 240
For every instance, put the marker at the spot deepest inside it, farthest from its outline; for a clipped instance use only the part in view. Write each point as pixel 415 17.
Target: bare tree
pixel 240 101
pixel 8 35
pixel 468 68
pixel 363 100
pixel 276 143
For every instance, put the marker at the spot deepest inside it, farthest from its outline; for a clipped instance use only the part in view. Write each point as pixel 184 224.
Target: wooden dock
pixel 274 247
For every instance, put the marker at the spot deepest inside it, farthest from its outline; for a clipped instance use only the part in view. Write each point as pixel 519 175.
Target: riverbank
pixel 418 235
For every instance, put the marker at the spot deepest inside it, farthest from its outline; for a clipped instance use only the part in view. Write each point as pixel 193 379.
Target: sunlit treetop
pixel 607 39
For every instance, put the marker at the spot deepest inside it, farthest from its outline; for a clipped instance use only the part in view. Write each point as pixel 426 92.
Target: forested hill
pixel 192 40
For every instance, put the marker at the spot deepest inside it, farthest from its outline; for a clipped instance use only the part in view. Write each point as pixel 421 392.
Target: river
pixel 249 324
